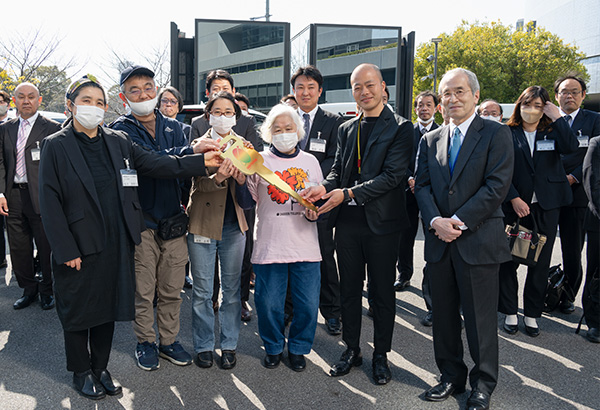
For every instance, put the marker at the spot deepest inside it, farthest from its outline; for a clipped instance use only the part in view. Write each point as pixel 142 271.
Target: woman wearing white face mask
pixel 539 188
pixel 286 243
pixel 92 218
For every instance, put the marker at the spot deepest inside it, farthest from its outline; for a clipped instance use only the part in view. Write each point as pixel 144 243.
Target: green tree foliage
pixel 506 61
pixel 52 83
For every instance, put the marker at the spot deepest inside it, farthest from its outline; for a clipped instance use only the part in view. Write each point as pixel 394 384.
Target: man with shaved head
pixel 365 193
pixel 19 200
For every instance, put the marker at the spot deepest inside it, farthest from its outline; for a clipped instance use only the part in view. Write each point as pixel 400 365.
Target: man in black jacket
pixel 365 192
pixel 570 93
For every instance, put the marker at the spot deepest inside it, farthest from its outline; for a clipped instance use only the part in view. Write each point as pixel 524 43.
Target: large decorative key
pixel 250 162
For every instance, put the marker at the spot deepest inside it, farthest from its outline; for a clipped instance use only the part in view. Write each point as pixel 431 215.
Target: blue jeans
pixel 269 297
pixel 202 258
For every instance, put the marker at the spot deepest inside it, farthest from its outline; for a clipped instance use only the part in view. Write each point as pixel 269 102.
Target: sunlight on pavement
pixel 399 361
pixel 248 393
pixel 25 402
pixel 220 400
pixel 354 390
pixel 4 338
pixel 8 276
pixel 126 400
pixel 318 361
pixel 548 353
pixel 66 403
pixel 565 323
pixel 532 383
pixel 410 326
pixel 175 391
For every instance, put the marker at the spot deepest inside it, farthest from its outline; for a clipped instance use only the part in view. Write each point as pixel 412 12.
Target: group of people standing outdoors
pixel 104 206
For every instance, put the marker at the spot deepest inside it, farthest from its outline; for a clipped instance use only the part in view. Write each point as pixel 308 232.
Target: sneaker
pixel 175 354
pixel 147 356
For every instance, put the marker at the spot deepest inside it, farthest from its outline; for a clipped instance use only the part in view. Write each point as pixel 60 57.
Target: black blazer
pixel 588 122
pixel 69 204
pixel 325 126
pixel 473 193
pixel 543 173
pixel 591 184
pixel 416 140
pixel 245 126
pixel 8 160
pixel 384 164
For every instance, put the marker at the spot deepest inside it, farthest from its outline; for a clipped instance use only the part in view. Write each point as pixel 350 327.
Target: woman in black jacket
pixel 92 217
pixel 539 188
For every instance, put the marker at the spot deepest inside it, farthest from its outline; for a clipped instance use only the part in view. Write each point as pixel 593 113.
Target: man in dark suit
pixel 463 174
pixel 426 104
pixel 365 192
pixel 321 129
pixel 570 93
pixel 19 195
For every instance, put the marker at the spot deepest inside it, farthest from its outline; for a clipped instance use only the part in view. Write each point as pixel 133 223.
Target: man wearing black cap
pixel 161 256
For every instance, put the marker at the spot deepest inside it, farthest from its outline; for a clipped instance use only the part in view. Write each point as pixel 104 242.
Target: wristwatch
pixel 346 195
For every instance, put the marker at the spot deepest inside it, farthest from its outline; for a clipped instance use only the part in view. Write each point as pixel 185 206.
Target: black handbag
pixel 173 227
pixel 557 286
pixel 525 244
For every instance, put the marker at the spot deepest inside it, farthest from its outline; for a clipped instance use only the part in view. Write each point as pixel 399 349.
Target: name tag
pixel 584 141
pixel 201 239
pixel 35 154
pixel 129 177
pixel 317 145
pixel 545 145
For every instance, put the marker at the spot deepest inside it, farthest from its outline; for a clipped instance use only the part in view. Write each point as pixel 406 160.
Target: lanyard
pixel 358 144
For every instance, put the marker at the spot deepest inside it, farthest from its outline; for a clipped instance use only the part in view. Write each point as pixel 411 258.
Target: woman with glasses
pixel 217 226
pixel 539 188
pixel 170 103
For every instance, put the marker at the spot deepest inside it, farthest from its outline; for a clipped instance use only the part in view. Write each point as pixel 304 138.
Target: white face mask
pixel 89 116
pixel 222 124
pixel 491 117
pixel 424 122
pixel 285 142
pixel 141 109
pixel 245 112
pixel 3 110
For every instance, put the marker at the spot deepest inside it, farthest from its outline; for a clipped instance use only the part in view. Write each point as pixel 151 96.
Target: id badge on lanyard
pixel 128 175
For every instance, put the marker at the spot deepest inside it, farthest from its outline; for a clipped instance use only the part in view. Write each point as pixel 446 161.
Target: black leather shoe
pixel 350 358
pixel 567 307
pixel 246 314
pixel 370 312
pixel 593 335
pixel 88 386
pixel 532 331
pixel 24 301
pixel 47 302
pixel 297 362
pixel 401 284
pixel 381 370
pixel 4 264
pixel 204 359
pixel 334 326
pixel 228 360
pixel 442 391
pixel 428 319
pixel 110 387
pixel 271 361
pixel 478 401
pixel 510 329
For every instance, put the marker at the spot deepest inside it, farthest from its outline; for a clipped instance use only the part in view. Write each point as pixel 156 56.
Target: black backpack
pixel 557 285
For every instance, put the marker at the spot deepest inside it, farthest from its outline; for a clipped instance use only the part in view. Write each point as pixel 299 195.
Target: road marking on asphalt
pixel 246 391
pixel 536 385
pixel 548 353
pixel 356 391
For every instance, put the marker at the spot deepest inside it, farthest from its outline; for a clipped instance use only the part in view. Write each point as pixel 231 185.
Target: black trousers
pixel 572 238
pixel 537 276
pixel 2 239
pixel 357 246
pixel 407 239
pixel 591 296
pixel 456 284
pixel 99 338
pixel 329 302
pixel 246 264
pixel 24 226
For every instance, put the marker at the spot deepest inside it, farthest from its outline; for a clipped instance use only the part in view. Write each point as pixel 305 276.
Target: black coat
pixel 325 126
pixel 384 164
pixel 591 184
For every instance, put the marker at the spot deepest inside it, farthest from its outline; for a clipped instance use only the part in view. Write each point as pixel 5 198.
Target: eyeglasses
pixel 228 114
pixel 573 93
pixel 458 94
pixel 137 92
pixel 167 101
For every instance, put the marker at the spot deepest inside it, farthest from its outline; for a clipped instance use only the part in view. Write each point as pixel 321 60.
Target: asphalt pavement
pixel 557 370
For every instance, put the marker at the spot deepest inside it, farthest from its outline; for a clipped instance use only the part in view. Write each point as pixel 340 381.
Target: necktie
pixel 21 142
pixel 568 119
pixel 306 130
pixel 454 149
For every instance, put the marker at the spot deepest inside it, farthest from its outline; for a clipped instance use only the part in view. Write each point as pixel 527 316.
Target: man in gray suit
pixel 463 175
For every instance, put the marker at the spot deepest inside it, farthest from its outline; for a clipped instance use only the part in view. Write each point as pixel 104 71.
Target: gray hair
pixel 277 111
pixel 471 79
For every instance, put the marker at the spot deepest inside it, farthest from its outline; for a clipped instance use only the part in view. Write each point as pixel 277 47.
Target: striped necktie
pixel 21 142
pixel 568 119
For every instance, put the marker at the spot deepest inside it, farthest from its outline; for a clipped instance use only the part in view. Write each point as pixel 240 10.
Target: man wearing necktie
pixel 20 140
pixel 570 93
pixel 463 175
